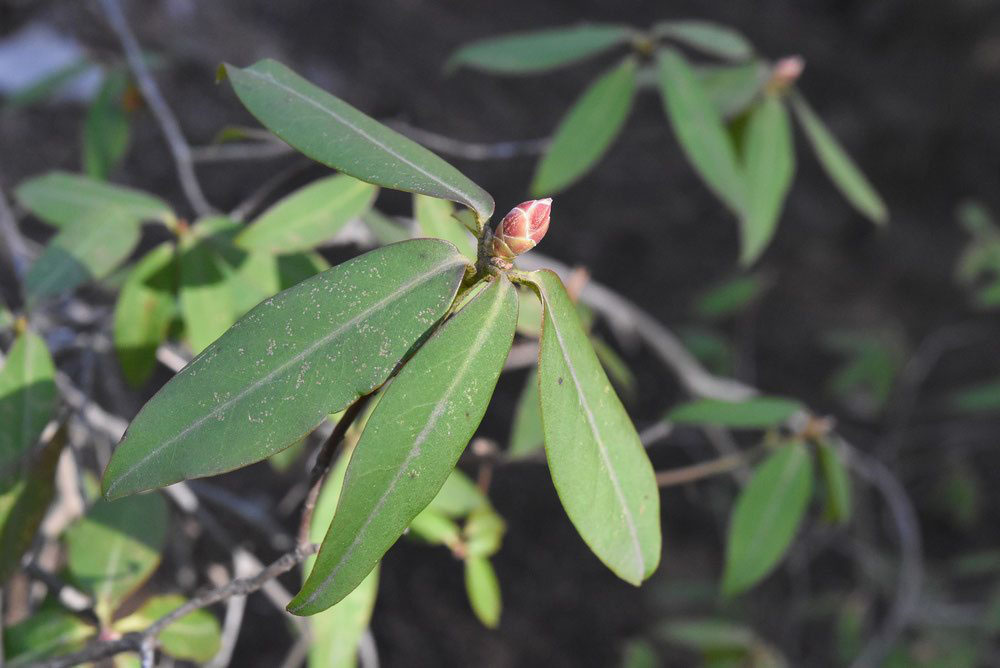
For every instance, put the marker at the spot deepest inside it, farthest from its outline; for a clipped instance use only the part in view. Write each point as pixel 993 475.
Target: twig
pixel 233 620
pixel 237 151
pixel 458 148
pixel 247 206
pixel 713 467
pixel 12 244
pixel 171 129
pixel 134 642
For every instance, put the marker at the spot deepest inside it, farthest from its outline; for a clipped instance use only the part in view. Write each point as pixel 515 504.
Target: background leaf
pixel 586 132
pixel 115 548
pixel 769 162
pixel 731 297
pixel 710 38
pixel 61 198
pixel 272 378
pixel 526 435
pixel 732 88
pixel 46 634
pixel 435 220
pixel 600 469
pixel 106 129
pixel 145 307
pixel 766 517
pixel 412 442
pixel 753 413
pixel 309 216
pixel 336 134
pixel 539 50
pixel 699 129
pixel 27 397
pixel 836 482
pixel 206 296
pixel 838 165
pixel 483 590
pixel 196 636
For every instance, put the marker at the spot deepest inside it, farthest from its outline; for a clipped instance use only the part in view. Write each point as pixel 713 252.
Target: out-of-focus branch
pixel 171 129
pixel 713 467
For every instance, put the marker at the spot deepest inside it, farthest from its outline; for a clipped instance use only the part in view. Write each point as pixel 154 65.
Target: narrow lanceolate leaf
pixel 838 165
pixel 115 548
pixel 539 50
pixel 435 220
pixel 61 198
pixel 710 38
pixel 145 307
pixel 27 397
pixel 599 467
pixel 46 634
pixel 412 442
pixel 106 128
pixel 195 637
pixel 586 132
pixel 309 216
pixel 769 162
pixel 336 134
pixel 766 517
pixel 754 413
pixel 526 434
pixel 700 130
pixel 732 88
pixel 276 374
pixel 837 483
pixel 87 250
pixel 206 296
pixel 483 589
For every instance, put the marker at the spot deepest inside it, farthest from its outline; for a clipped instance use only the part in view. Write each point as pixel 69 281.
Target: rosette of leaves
pixel 418 321
pixel 730 114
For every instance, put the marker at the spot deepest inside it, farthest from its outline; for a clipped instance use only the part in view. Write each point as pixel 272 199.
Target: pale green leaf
pixel 699 129
pixel 412 442
pixel 435 220
pixel 309 351
pixel 709 38
pixel 336 134
pixel 732 87
pixel 753 413
pixel 27 397
pixel 707 635
pixel 838 165
pixel 61 198
pixel 529 314
pixel 836 482
pixel 769 163
pixel 46 85
pixel 600 469
pixel 106 129
pixel 145 307
pixel 539 50
pixel 483 532
pixel 526 434
pixel 458 497
pixel 766 517
pixel 483 590
pixel 195 637
pixel 115 547
pixel 206 296
pixel 44 635
pixel 309 216
pixel 383 228
pixel 432 527
pixel 587 131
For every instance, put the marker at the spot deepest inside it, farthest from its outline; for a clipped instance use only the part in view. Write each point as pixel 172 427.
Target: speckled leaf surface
pixel 412 442
pixel 274 376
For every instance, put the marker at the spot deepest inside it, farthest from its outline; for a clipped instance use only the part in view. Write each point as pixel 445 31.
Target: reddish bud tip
pixel 522 228
pixel 786 72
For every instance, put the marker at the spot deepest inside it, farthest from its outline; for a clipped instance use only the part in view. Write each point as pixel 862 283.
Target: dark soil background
pixel 909 87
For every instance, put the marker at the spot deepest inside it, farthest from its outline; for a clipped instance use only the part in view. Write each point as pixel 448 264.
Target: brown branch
pixel 701 470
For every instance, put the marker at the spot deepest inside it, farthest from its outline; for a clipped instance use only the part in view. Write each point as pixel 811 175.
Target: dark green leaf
pixel 526 435
pixel 710 38
pixel 599 467
pixel 766 516
pixel 310 216
pixel 115 548
pixel 336 134
pixel 729 298
pixel 281 369
pixel 483 590
pixel 587 130
pixel 435 220
pixel 106 129
pixel 769 158
pixel 412 442
pixel 699 129
pixel 539 50
pixel 754 413
pixel 27 397
pixel 837 483
pixel 838 165
pixel 61 198
pixel 196 636
pixel 46 634
pixel 639 653
pixel 145 308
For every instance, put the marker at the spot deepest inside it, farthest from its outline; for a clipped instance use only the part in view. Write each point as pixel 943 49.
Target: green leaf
pixel 145 308
pixel 766 517
pixel 27 397
pixel 769 161
pixel 383 228
pixel 336 134
pixel 458 497
pixel 483 590
pixel 707 635
pixel 539 50
pixel 729 298
pixel 754 413
pixel 700 130
pixel 61 198
pixel 529 314
pixel 27 487
pixel 206 296
pixel 106 129
pixel 309 216
pixel 709 38
pixel 980 398
pixel 86 250
pixel 838 165
pixel 732 87
pixel 837 483
pixel 615 366
pixel 195 637
pixel 526 435
pixel 587 131
pixel 483 532
pixel 115 547
pixel 435 220
pixel 309 351
pixel 639 653
pixel 46 634
pixel 412 442
pixel 600 469
pixel 434 528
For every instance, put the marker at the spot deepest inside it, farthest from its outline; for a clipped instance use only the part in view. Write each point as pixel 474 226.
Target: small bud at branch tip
pixel 522 228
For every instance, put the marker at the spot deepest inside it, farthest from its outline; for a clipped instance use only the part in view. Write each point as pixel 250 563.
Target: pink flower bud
pixel 522 228
pixel 786 72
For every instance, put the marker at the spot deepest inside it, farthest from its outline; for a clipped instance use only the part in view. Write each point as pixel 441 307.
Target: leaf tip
pixel 222 72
